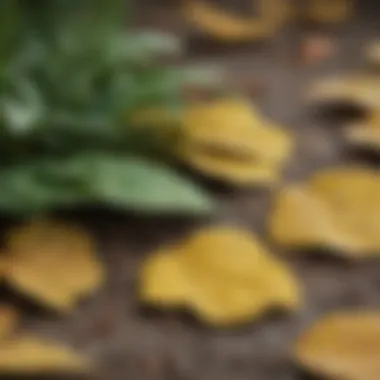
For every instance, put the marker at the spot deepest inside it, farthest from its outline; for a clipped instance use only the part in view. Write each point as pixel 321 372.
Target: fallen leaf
pixel 366 133
pixel 9 319
pixel 228 27
pixel 358 90
pixel 342 345
pixel 53 263
pixel 229 169
pixel 223 274
pixel 329 11
pixel 28 354
pixel 229 140
pixel 225 123
pixel 337 208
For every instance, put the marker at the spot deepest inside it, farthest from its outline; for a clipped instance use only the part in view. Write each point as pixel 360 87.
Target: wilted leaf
pixel 365 133
pixel 9 319
pixel 361 91
pixel 342 345
pixel 228 27
pixel 329 11
pixel 229 140
pixel 223 274
pixel 27 354
pixel 338 209
pixel 53 263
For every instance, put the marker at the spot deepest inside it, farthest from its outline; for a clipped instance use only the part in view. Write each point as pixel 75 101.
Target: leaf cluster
pixel 71 75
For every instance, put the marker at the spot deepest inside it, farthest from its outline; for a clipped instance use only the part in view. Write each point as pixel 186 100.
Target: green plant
pixel 71 76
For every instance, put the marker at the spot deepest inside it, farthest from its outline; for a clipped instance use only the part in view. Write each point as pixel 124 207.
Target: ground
pixel 135 344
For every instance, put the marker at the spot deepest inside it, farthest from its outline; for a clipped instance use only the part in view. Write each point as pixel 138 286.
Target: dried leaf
pixel 338 209
pixel 227 124
pixel 33 355
pixel 228 139
pixel 227 27
pixel 359 90
pixel 343 345
pixel 53 263
pixel 9 319
pixel 329 11
pixel 223 274
pixel 229 169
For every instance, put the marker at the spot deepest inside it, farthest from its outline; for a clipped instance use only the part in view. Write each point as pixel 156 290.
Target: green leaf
pixel 143 186
pixel 116 181
pixel 142 46
pixel 23 191
pixel 10 26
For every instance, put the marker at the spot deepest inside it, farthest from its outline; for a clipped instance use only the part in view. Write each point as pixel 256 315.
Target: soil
pixel 131 343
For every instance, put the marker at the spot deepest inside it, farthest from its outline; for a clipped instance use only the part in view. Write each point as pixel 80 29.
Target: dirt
pixel 131 343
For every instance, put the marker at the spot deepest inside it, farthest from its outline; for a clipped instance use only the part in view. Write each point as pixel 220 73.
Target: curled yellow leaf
pixel 329 11
pixel 9 319
pixel 223 274
pixel 229 169
pixel 53 263
pixel 342 345
pixel 227 139
pixel 361 91
pixel 227 27
pixel 30 355
pixel 337 208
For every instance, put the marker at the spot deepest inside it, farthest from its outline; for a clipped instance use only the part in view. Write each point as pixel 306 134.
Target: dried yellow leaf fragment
pixel 361 90
pixel 30 355
pixel 223 25
pixel 338 208
pixel 9 319
pixel 227 139
pixel 223 274
pixel 53 263
pixel 343 345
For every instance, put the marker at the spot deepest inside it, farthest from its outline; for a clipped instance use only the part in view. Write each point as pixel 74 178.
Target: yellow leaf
pixel 53 263
pixel 32 355
pixel 223 274
pixel 228 168
pixel 365 133
pixel 358 90
pixel 329 11
pixel 228 140
pixel 343 345
pixel 9 319
pixel 227 27
pixel 338 208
